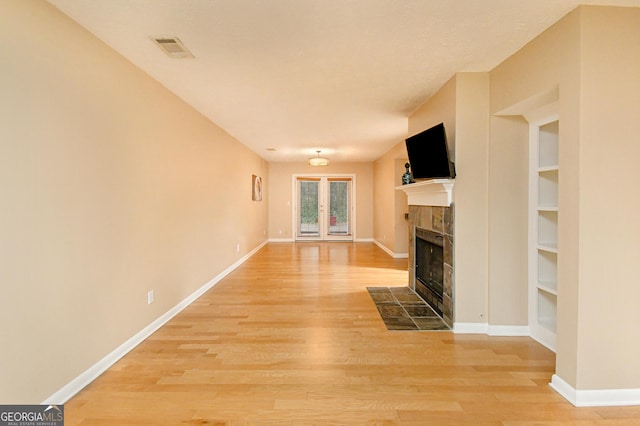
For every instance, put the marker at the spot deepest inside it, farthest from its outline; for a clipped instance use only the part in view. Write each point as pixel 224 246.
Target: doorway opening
pixel 324 208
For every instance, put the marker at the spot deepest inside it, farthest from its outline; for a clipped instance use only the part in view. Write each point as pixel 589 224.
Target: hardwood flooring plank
pixel 292 337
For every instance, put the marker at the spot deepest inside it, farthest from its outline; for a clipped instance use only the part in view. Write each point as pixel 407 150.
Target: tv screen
pixel 429 154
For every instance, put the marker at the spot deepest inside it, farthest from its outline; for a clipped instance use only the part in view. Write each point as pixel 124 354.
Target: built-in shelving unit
pixel 543 225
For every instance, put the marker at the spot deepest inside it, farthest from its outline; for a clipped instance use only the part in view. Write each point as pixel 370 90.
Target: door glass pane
pixel 339 207
pixel 308 220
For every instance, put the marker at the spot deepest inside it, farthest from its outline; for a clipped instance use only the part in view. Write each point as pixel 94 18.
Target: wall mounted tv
pixel 429 154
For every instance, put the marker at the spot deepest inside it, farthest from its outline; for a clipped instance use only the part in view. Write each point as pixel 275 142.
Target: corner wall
pixel 550 60
pixel 462 104
pixel 470 197
pixel 111 187
pixel 508 221
pixel 609 203
pixel 592 56
pixel 390 205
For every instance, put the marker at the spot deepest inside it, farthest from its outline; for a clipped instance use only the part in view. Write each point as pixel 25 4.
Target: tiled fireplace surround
pixel 439 220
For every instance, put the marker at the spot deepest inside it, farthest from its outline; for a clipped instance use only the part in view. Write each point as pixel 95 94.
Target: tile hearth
pixel 402 309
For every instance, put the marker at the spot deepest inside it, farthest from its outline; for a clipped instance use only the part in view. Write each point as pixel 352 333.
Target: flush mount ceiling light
pixel 318 161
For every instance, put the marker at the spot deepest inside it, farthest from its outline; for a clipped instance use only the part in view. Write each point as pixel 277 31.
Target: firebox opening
pixel 429 268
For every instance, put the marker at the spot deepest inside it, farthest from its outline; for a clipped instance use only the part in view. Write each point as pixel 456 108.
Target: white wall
pixel 390 205
pixel 462 104
pixel 592 57
pixel 508 226
pixel 280 191
pixel 470 197
pixel 609 264
pixel 111 186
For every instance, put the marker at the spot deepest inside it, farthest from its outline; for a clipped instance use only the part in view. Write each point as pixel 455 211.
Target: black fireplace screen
pixel 429 264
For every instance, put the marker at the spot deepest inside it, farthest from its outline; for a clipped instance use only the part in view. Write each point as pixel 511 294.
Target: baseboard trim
pixel 77 384
pixel 470 327
pixel 508 330
pixel 390 252
pixel 291 240
pixel 363 240
pixel 595 398
pixel 491 330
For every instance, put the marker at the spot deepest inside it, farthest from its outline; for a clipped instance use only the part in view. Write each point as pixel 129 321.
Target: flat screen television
pixel 429 154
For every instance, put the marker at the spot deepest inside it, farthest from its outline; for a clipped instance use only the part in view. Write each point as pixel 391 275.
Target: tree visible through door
pixel 324 208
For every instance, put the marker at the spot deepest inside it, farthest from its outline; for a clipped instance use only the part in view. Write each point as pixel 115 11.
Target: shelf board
pixel 546 287
pixel 548 247
pixel 547 208
pixel 546 169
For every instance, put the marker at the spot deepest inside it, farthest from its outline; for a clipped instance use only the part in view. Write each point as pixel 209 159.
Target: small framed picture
pixel 257 188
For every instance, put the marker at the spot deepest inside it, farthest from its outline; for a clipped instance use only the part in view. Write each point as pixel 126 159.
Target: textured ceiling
pixel 300 75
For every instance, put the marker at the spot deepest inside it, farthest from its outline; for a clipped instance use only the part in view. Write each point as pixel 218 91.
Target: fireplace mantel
pixel 433 192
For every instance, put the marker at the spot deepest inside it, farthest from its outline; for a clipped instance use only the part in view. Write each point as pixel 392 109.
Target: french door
pixel 324 208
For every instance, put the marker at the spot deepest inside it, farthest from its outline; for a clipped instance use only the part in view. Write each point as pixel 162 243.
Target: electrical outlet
pixel 237 248
pixel 149 297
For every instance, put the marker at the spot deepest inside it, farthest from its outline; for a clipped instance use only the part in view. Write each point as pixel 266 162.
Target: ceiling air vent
pixel 173 47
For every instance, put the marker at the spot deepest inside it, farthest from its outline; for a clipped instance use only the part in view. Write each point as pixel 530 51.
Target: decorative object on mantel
pixel 406 177
pixel 256 194
pixel 430 192
pixel 318 161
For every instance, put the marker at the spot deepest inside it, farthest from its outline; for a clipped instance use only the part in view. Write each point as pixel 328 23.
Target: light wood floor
pixel 293 338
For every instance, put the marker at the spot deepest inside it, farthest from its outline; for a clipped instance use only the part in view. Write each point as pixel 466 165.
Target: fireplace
pixel 429 267
pixel 431 259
